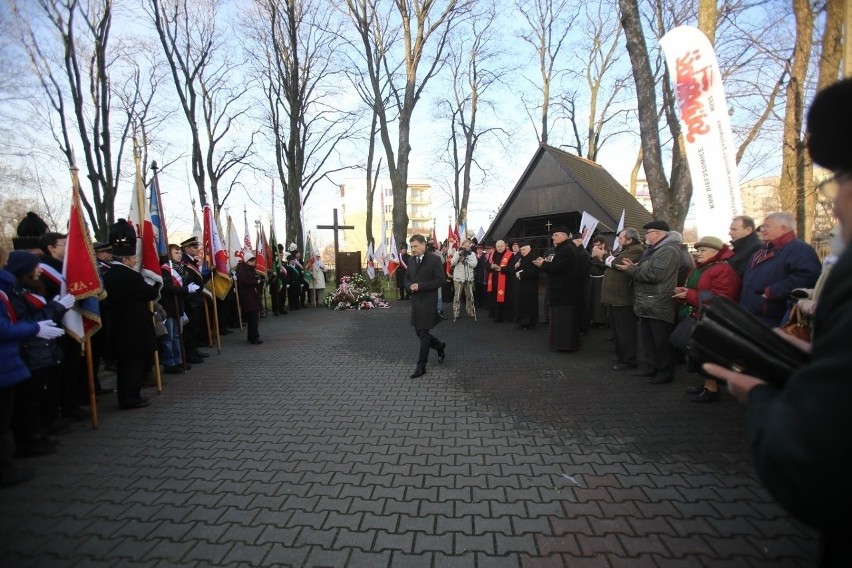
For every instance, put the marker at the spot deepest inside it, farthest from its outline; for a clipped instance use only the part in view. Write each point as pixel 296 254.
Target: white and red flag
pixel 393 257
pixel 215 251
pixel 147 259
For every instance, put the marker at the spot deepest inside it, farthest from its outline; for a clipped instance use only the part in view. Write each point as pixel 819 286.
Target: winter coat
pixel 743 249
pixel 12 367
pixel 799 436
pixel 654 281
pixel 248 287
pixel 774 272
pixel 429 277
pixel 172 295
pixel 128 296
pixel 617 289
pixel 717 278
pixel 562 286
pixel 464 267
pixel 318 274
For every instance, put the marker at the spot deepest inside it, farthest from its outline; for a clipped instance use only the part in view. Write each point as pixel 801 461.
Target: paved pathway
pixel 316 449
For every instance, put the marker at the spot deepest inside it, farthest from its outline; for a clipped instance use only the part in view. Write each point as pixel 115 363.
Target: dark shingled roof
pixel 557 182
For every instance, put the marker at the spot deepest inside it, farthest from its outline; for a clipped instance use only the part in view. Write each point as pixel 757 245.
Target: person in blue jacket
pixel 12 372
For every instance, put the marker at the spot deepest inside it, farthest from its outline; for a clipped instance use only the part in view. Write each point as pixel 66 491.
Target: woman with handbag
pixel 28 303
pixel 712 276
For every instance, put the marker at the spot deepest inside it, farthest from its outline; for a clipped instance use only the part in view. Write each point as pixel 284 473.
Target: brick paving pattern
pixel 316 449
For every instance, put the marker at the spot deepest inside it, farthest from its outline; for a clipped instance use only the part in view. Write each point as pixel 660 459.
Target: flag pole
pixel 140 204
pixel 90 373
pixel 213 285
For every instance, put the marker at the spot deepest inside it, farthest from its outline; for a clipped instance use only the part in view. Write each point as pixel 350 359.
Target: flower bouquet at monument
pixel 353 294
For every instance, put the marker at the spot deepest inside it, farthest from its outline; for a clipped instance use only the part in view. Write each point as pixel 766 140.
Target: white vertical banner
pixel 706 129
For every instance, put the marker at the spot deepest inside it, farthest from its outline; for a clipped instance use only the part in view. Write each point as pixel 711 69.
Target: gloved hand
pixel 192 288
pixel 48 330
pixel 67 301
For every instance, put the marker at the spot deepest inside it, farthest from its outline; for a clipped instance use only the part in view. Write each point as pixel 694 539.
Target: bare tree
pixel 296 42
pixel 548 24
pixel 422 24
pixel 670 201
pixel 474 68
pixel 77 86
pixel 209 85
pixel 597 57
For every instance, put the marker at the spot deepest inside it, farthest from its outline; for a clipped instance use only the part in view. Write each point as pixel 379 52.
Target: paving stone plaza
pixel 317 449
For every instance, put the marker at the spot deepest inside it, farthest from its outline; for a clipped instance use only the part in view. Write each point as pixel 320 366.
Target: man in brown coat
pixel 618 295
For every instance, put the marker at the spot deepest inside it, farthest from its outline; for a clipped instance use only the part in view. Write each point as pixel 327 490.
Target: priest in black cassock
pixel 563 291
pixel 526 288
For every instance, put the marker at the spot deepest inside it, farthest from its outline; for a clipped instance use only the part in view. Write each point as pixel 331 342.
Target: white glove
pixel 48 330
pixel 192 288
pixel 67 301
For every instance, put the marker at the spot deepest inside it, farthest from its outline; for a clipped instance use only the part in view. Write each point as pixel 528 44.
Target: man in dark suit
pixel 423 279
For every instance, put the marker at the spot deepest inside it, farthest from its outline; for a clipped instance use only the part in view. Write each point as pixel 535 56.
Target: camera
pixel 464 252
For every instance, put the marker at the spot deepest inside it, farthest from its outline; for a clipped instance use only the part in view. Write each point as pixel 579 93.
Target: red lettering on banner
pixel 691 84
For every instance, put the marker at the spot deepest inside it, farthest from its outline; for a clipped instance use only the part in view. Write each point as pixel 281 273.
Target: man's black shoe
pixel 256 341
pixel 441 353
pixel 659 379
pixel 418 372
pixel 695 390
pixel 201 354
pixel 100 391
pixel 16 474
pixel 622 366
pixel 705 396
pixel 194 360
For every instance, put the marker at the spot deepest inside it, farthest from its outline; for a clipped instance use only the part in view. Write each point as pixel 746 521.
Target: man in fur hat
pixel 128 298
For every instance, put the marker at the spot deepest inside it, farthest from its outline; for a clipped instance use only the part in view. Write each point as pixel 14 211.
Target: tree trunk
pixel 647 102
pixel 795 164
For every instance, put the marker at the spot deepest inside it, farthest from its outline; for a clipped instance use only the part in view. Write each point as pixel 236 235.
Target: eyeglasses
pixel 653 231
pixel 828 187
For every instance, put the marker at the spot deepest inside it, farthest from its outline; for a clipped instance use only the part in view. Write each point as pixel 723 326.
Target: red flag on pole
pixel 260 253
pixel 80 272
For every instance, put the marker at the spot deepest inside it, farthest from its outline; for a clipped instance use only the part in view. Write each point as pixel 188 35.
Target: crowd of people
pixel 44 384
pixel 650 290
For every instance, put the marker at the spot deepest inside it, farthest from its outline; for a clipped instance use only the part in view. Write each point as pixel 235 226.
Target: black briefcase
pixel 729 336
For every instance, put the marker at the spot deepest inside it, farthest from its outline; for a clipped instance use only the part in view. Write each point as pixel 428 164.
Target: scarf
pixel 501 276
pixel 768 250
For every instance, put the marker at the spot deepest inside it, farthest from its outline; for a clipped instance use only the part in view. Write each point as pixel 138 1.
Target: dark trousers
pixel 192 331
pixel 7 443
pixel 251 323
pixel 427 341
pixel 26 417
pixel 624 327
pixel 401 292
pixel 294 293
pixel 129 375
pixel 659 354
